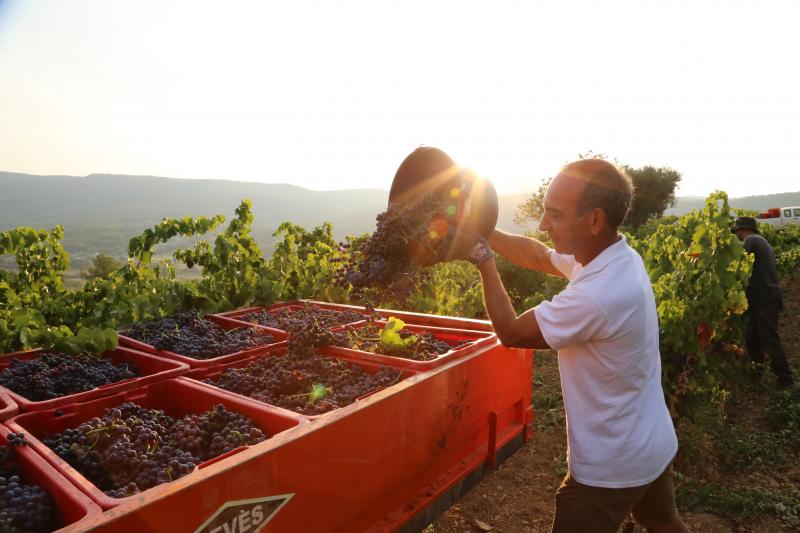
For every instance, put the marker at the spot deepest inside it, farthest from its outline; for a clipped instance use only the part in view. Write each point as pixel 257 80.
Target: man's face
pixel 566 228
pixel 742 234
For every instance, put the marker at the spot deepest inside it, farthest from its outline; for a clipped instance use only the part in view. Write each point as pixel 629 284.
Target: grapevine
pixel 699 271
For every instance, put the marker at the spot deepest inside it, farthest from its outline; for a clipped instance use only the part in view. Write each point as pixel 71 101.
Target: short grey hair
pixel 607 187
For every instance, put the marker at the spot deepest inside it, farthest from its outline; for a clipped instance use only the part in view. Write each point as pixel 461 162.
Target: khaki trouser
pixel 581 508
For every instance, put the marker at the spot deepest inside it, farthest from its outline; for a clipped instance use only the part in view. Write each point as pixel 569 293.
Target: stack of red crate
pixel 372 465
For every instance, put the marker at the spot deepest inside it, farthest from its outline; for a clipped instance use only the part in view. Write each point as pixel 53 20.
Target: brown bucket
pixel 469 202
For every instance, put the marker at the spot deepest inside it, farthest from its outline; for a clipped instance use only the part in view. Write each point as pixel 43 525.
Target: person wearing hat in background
pixel 765 302
pixel 604 325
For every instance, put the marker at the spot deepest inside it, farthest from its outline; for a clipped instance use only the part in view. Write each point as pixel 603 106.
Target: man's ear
pixel 597 221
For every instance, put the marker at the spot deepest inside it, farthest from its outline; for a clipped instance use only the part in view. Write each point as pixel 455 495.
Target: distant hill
pixel 103 199
pixel 759 203
pixel 101 212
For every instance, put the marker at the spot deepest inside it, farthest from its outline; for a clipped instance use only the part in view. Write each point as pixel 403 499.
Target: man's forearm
pixel 517 331
pixel 523 251
pixel 495 298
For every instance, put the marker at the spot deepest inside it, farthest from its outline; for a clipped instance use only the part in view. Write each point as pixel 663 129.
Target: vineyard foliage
pixel 698 268
pixel 699 271
pixel 786 244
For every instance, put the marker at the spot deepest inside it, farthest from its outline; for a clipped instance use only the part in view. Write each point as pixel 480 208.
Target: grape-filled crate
pixel 301 416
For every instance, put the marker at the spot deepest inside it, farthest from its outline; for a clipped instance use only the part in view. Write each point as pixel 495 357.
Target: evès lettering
pixel 258 514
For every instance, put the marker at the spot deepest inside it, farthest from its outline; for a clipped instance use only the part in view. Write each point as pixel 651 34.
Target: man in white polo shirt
pixel 604 324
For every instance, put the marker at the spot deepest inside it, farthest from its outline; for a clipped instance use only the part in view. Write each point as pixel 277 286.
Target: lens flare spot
pixel 454 192
pixel 451 210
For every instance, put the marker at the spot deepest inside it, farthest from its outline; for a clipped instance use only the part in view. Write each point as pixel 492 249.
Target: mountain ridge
pixel 112 208
pixel 101 212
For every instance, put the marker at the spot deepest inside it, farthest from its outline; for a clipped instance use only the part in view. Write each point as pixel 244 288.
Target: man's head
pixel 585 204
pixel 744 226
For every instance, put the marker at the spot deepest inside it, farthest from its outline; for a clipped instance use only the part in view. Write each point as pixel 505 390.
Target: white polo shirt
pixel 604 325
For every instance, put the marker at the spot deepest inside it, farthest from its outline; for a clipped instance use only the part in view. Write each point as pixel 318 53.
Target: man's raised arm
pixel 526 252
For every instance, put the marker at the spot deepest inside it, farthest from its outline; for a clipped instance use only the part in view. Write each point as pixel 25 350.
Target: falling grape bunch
pixel 383 262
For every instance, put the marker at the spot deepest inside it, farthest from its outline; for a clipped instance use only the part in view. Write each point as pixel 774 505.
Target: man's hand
pixel 480 251
pixel 471 247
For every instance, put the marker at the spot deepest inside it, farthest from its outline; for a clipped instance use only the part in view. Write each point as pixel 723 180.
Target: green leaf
pixel 390 334
pixel 318 392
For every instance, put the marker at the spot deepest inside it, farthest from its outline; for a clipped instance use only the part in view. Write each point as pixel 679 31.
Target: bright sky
pixel 332 95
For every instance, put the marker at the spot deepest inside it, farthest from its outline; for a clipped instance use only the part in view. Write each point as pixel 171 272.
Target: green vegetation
pixel 740 503
pixel 548 402
pixel 786 244
pixel 698 269
pixel 103 266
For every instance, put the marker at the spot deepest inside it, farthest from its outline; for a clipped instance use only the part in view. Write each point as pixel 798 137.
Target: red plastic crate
pixel 226 323
pixel 8 407
pixel 419 319
pixel 177 397
pixel 369 366
pixel 237 314
pixel 72 505
pixel 476 339
pixel 150 367
pixel 385 466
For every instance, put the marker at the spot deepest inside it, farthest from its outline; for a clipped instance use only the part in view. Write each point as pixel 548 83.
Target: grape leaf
pixel 318 392
pixel 390 334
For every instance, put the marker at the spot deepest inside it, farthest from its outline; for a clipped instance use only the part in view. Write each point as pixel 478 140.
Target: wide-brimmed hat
pixel 744 223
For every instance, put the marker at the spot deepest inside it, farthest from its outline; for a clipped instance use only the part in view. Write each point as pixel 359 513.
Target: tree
pixel 533 208
pixel 102 267
pixel 654 192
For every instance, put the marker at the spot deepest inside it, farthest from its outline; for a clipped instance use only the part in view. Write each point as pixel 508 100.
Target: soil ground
pixel 519 497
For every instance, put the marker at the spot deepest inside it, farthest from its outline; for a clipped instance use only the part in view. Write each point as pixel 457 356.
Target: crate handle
pixel 221 457
pixel 492 449
pixel 114 384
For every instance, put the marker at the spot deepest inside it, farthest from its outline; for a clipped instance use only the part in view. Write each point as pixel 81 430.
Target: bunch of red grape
pixel 308 335
pixel 130 448
pixel 307 385
pixel 52 375
pixel 385 262
pixel 192 335
pixel 425 346
pixel 23 507
pixel 293 318
pixel 308 326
